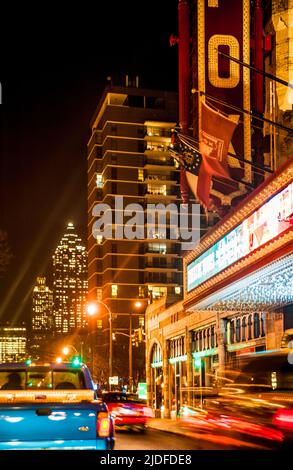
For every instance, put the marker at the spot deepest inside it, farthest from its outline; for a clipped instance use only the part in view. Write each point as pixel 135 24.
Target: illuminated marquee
pixel 266 223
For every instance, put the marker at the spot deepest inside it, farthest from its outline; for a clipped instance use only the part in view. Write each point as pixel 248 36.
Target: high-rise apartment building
pixel 70 285
pixel 128 157
pixel 13 343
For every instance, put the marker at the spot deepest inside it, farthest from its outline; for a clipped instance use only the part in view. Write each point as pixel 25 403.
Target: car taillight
pixel 103 425
pixel 284 419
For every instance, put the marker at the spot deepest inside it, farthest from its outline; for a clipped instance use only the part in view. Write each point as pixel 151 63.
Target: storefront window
pixel 238 330
pixel 256 325
pixel 232 331
pixel 200 341
pixel 243 329
pixel 262 321
pixel 249 327
pixel 213 337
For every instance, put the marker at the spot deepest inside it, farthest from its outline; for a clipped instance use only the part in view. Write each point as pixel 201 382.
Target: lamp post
pixel 92 309
pixel 137 305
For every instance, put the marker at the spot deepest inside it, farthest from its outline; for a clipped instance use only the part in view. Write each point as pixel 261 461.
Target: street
pixel 159 440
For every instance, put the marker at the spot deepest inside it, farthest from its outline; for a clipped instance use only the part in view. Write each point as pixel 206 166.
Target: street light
pixel 92 309
pixel 66 349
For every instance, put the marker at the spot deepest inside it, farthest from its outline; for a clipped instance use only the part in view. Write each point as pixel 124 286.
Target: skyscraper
pixel 42 308
pixel 127 156
pixel 42 316
pixel 13 342
pixel 70 282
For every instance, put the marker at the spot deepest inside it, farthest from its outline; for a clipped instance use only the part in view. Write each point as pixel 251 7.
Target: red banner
pixel 223 26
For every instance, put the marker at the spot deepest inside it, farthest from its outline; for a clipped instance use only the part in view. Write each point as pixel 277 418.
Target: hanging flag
pixel 190 160
pixel 215 136
pixel 198 167
pixel 184 186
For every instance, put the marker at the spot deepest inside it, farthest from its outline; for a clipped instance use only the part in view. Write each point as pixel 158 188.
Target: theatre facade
pixel 238 296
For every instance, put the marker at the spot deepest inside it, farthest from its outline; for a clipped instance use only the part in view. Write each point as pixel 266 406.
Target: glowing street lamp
pixel 92 308
pixel 66 350
pixel 59 360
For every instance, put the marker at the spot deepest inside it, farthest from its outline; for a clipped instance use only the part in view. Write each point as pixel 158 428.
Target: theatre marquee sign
pixel 263 225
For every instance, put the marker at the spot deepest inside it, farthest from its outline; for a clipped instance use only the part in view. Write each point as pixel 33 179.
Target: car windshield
pixel 264 372
pixel 113 397
pixel 41 379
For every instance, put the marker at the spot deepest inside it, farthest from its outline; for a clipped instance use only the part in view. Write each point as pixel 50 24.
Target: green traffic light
pixel 76 361
pixel 28 362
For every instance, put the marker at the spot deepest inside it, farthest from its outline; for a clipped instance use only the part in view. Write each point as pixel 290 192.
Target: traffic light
pixel 76 361
pixel 140 333
pixel 135 338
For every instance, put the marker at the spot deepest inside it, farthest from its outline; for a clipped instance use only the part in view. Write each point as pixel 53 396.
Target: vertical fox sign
pixel 223 26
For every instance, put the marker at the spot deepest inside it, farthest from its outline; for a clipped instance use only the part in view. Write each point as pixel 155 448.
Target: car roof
pixel 46 365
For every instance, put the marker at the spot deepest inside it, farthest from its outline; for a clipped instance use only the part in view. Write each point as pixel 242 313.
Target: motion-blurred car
pixel 254 408
pixel 127 410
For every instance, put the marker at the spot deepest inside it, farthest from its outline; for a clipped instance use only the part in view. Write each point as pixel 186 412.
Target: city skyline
pixel 40 167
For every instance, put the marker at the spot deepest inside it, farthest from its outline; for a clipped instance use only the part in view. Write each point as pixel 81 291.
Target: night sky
pixel 54 64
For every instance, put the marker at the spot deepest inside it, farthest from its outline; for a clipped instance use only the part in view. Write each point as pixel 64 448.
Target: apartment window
pixel 157 292
pixel 99 293
pixel 154 131
pixel 99 180
pixel 157 189
pixel 141 291
pixel 140 175
pixel 114 290
pixel 157 248
pixel 140 131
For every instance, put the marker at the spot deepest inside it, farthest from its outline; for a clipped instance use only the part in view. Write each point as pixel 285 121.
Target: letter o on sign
pixel 213 61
